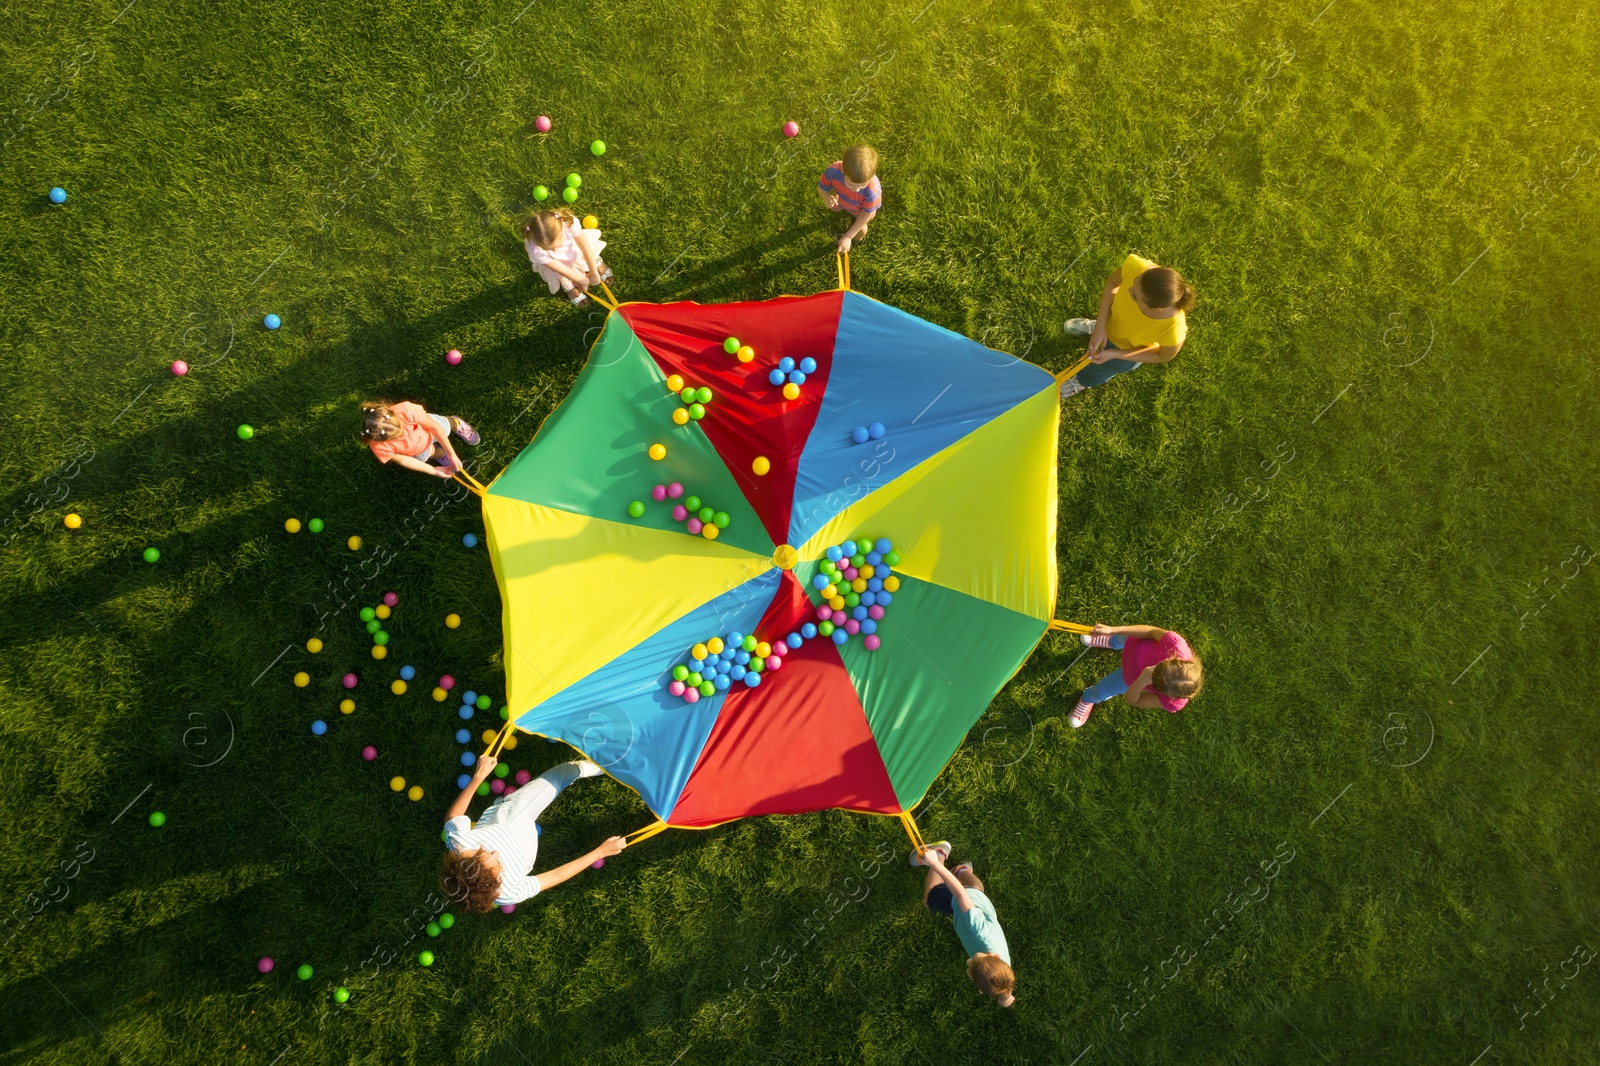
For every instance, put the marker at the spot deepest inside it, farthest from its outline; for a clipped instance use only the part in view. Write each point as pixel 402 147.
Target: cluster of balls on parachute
pixel 860 604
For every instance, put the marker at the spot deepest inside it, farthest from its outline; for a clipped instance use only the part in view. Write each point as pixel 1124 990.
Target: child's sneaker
pixel 1071 387
pixel 1081 326
pixel 941 846
pixel 1093 640
pixel 1080 713
pixel 463 430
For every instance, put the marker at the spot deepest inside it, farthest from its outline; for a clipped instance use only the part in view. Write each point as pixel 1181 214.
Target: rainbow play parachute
pixel 607 589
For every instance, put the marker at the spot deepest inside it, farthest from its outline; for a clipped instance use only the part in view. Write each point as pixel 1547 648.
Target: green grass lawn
pixel 1366 490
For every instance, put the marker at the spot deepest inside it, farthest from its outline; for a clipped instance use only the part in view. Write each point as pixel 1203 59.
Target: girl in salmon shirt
pixel 406 434
pixel 1159 669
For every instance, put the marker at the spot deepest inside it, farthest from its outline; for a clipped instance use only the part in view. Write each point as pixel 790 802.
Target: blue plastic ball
pixel 797 377
pixel 793 640
pixel 834 554
pixel 873 558
pixel 724 665
pixel 469 696
pixel 840 636
pixel 728 654
pixel 869 627
pixel 468 758
pixel 58 195
pixel 808 630
pixel 859 613
pixel 876 431
pixel 775 377
pixel 820 581
pixel 464 780
pixel 736 672
pixel 741 657
pixel 722 682
pixel 319 727
pixel 407 673
pixel 734 639
pixel 860 434
pixel 463 736
pixel 272 321
pixel 467 711
pixel 786 364
pixel 869 597
pixel 874 584
pixel 883 547
pixel 882 570
pixel 808 365
pixel 752 679
pixel 885 599
pixel 470 540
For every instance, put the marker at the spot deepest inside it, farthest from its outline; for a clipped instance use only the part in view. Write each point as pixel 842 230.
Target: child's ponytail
pixel 374 415
pixel 1164 287
pixel 547 227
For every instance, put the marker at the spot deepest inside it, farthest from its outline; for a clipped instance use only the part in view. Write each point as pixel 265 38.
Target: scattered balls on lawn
pixel 347 706
pixel 426 958
pixel 542 124
pixel 179 367
pixel 72 521
pixel 590 222
pixel 439 695
pixel 470 540
pixel 354 544
pixel 398 687
pixel 407 673
pixel 446 920
pixel 245 432
pixel 791 129
pixel 453 357
pixel 315 525
pixel 272 321
pixel 158 819
pixel 398 784
pixel 381 611
pixel 151 555
pixel 379 651
pixel 391 599
pixel 313 645
pixel 597 863
pixel 319 727
pixel 569 194
pixel 414 792
pixel 598 147
pixel 453 621
pixel 292 525
pixel 350 681
pixel 264 964
pixel 58 195
pixel 341 995
pixel 304 972
pixel 369 753
pixel 541 193
pixel 302 679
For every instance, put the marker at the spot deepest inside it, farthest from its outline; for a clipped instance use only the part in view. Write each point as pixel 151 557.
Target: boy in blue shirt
pixel 960 894
pixel 851 184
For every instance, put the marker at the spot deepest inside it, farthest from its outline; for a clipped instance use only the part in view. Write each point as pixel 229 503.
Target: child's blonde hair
pixel 1178 679
pixel 860 163
pixel 992 974
pixel 375 416
pixel 546 228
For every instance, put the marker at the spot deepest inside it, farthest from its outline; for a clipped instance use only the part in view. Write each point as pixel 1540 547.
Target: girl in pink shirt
pixel 408 435
pixel 566 255
pixel 1159 669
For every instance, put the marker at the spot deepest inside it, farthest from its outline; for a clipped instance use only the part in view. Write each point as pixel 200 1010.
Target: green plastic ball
pixel 505 715
pixel 483 789
pixel 707 689
pixel 680 672
pixel 426 958
pixel 749 643
pixel 484 702
pixel 706 514
pixel 446 920
pixel 380 637
pixel 598 147
pixel 304 972
pixel 373 625
pixel 852 599
pixel 694 679
pixel 825 628
pixel 858 561
pixel 827 567
pixel 636 509
pixel 368 615
pixel 569 195
pixel 151 555
pixel 245 432
pixel 721 519
pixel 315 525
pixel 703 394
pixel 688 394
pixel 692 503
pixel 893 558
pixel 433 929
pixel 696 411
pixel 731 345
pixel 158 819
pixel 541 193
pixel 863 546
pixel 574 181
pixel 756 663
pixel 341 995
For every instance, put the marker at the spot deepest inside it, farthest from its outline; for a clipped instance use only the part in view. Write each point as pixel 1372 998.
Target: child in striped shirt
pixel 851 184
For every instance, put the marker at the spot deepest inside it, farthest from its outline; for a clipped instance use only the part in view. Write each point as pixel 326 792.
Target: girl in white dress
pixel 565 254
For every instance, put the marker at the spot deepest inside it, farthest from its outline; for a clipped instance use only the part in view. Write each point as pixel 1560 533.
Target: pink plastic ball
pixel 658 493
pixel 497 786
pixel 675 489
pixel 369 753
pixel 875 613
pixel 508 908
pixel 870 642
pixel 779 650
pixel 791 129
pixel 523 777
pixel 597 863
pixel 852 627
pixel 773 662
pixel 542 124
pixel 694 525
pixel 447 682
pixel 851 573
pixel 679 513
pixel 509 789
pixel 351 680
pixel 391 598
pixel 264 964
pixel 453 357
pixel 676 688
pixel 691 695
pixel 824 612
pixel 179 367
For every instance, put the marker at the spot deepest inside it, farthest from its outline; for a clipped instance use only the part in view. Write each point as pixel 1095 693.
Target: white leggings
pixel 531 799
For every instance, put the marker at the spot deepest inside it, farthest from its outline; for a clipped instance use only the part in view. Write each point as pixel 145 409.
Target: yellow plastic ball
pixel 347 706
pixel 379 651
pixel 74 520
pixel 746 353
pixel 710 531
pixel 354 544
pixel 761 465
pixel 858 585
pixel 837 603
pixel 763 649
pixel 675 383
pixel 791 391
pixel 715 645
pixel 414 793
pixel 680 415
pixel 452 621
pixel 590 222
pixel 700 651
pixel 439 695
pixel 292 525
pixel 398 687
pixel 891 583
pixel 866 571
pixel 658 451
pixel 382 610
pixel 302 679
pixel 829 591
pixel 313 645
pixel 397 783
pixel 511 742
pixel 488 736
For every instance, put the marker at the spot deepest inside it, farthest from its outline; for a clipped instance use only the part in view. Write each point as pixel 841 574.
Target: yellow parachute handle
pixel 841 262
pixel 1071 627
pixel 1072 371
pixel 610 294
pixel 647 832
pixel 468 480
pixel 911 831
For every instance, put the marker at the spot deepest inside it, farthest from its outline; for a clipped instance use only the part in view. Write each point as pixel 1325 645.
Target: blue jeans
pixel 1100 373
pixel 1112 685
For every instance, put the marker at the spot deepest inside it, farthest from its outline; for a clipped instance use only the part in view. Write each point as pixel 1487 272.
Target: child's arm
pixel 411 463
pixel 590 257
pixel 479 774
pixel 830 199
pixel 1097 338
pixel 1150 353
pixel 572 274
pixel 856 227
pixel 1139 694
pixel 1147 632
pixel 958 891
pixel 566 871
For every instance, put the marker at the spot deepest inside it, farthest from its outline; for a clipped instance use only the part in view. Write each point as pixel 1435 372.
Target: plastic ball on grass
pixel 58 195
pixel 398 687
pixel 468 758
pixel 860 435
pixel 508 908
pixel 369 753
pixel 447 682
pixel 380 637
pixel 425 958
pixel 265 964
pixel 541 193
pixel 316 525
pixel 569 194
pixel 452 621
pixel 347 706
pixel 341 995
pixel 304 972
pixel 466 712
pixel 590 222
pixel 542 124
pixel 379 651
pixel 574 180
pixel 658 452
pixel 746 354
pixel 302 679
pixel 502 770
pixel 414 793
pixel 791 129
pixel 73 521
pixel 597 147
pixel 453 357
pixel 272 321
pixel 319 727
pixel 469 540
pixel 157 819
pixel 433 929
pixel 354 544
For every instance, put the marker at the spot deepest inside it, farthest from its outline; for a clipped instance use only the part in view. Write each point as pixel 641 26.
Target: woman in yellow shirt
pixel 1141 321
